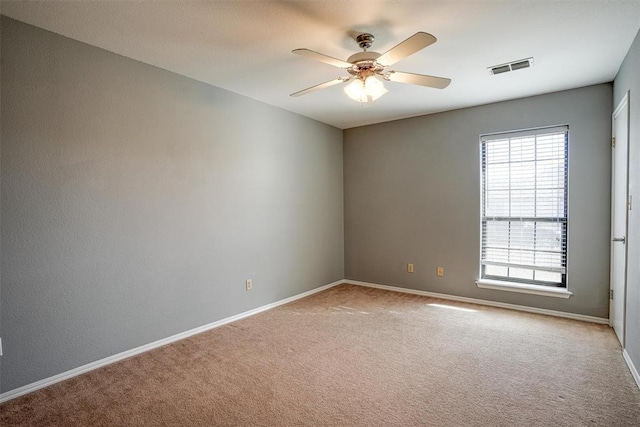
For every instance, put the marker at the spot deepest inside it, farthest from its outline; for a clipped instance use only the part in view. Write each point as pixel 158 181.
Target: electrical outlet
pixel 440 271
pixel 410 268
pixel 249 284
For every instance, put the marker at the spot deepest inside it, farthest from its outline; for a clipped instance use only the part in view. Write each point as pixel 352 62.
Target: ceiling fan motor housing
pixel 365 40
pixel 364 64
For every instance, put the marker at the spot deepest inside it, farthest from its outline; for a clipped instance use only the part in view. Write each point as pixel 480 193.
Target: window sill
pixel 498 285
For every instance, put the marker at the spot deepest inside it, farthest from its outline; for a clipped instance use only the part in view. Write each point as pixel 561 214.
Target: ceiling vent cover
pixel 511 66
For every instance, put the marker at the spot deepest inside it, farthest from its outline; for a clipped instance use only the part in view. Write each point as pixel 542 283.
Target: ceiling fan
pixel 366 68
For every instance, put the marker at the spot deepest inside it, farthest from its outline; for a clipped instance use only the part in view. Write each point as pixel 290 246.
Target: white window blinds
pixel 524 206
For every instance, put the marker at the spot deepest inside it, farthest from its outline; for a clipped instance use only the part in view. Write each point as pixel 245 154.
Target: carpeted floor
pixel 354 356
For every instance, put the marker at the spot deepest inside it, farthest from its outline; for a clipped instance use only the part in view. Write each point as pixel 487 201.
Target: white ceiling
pixel 245 46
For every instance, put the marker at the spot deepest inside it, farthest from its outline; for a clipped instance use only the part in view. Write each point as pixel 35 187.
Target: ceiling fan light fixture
pixel 365 91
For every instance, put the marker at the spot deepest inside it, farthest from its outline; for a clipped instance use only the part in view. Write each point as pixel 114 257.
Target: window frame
pixel 520 284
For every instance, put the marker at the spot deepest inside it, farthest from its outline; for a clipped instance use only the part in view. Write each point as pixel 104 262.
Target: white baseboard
pixel 12 394
pixel 632 367
pixel 554 313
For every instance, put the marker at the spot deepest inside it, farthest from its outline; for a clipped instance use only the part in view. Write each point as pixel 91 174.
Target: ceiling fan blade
pixel 322 58
pixel 408 47
pixel 419 79
pixel 321 86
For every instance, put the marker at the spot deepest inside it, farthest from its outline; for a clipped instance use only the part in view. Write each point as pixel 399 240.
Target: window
pixel 524 206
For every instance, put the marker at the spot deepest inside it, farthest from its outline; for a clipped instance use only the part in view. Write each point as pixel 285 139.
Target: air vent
pixel 500 69
pixel 511 66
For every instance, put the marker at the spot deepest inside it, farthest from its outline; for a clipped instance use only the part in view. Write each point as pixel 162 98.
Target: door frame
pixel 624 103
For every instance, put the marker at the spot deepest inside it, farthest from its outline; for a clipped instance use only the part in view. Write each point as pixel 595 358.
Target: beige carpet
pixel 357 356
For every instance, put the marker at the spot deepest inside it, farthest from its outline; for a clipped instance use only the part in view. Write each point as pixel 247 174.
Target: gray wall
pixel 412 195
pixel 628 80
pixel 135 203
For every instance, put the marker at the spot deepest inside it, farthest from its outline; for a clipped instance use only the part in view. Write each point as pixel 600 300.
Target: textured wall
pixel 412 195
pixel 135 203
pixel 627 80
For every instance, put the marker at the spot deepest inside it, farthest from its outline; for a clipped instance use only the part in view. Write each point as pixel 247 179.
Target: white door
pixel 619 218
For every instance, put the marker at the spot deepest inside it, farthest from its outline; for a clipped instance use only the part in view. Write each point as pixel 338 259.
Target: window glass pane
pixel 522 203
pixel 497 255
pixel 498 176
pixel 547 276
pixel 497 203
pixel 523 175
pixel 521 273
pixel 522 235
pixel 521 257
pixel 550 173
pixel 550 146
pixel 496 270
pixel 548 236
pixel 548 259
pixel 550 202
pixel 523 149
pixel 497 234
pixel 497 151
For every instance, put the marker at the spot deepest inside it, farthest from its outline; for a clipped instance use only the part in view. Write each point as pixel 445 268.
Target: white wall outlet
pixel 440 271
pixel 410 268
pixel 249 284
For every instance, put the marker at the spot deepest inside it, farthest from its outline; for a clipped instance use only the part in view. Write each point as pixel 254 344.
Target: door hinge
pixel 610 293
pixel 613 141
pixel 629 205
